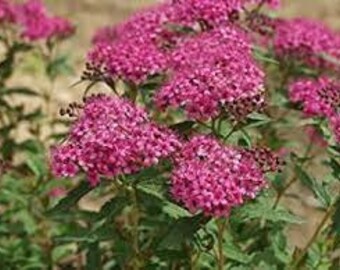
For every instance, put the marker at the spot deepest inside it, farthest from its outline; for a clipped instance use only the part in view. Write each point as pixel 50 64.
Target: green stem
pixel 318 230
pixel 220 233
pixel 294 179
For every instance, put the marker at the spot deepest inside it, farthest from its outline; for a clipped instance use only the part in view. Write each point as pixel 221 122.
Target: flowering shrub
pixel 212 112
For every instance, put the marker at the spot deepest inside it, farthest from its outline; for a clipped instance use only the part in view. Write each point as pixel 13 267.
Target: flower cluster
pixel 7 13
pixel 131 52
pixel 111 137
pixel 308 41
pixel 319 97
pixel 214 178
pixel 34 21
pixel 213 70
pixel 37 24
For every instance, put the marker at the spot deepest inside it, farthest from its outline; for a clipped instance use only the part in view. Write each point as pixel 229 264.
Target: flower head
pixel 214 178
pixel 306 40
pixel 318 97
pixel 213 71
pixel 33 17
pixel 112 137
pixel 7 12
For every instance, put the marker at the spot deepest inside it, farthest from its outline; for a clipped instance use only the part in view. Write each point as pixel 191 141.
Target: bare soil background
pixel 88 15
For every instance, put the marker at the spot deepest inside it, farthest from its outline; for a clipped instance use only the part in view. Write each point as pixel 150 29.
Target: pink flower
pixel 33 17
pixel 214 178
pixel 318 97
pixel 57 192
pixel 307 41
pixel 112 137
pixel 7 12
pixel 212 71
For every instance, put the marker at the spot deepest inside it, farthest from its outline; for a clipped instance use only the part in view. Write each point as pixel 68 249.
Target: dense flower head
pixel 7 11
pixel 319 97
pixel 306 40
pixel 211 71
pixel 130 61
pixel 214 178
pixel 37 24
pixel 112 137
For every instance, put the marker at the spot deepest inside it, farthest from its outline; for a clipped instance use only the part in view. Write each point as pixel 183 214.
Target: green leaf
pixel 336 218
pixel 183 127
pixel 71 199
pixel 59 66
pixel 257 120
pixel 93 257
pixel 37 165
pixel 234 252
pixel 180 231
pixel 319 189
pixel 113 207
pixel 262 209
pixel 335 165
pixel 18 91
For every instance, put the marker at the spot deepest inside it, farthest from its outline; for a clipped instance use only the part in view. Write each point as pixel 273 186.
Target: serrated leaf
pixel 71 199
pixel 318 188
pixel 234 252
pixel 262 209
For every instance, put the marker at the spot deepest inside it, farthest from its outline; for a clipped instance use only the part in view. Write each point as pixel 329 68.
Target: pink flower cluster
pixel 7 13
pixel 37 24
pixel 308 41
pixel 319 97
pixel 152 29
pixel 214 178
pixel 111 137
pixel 212 71
pixel 34 21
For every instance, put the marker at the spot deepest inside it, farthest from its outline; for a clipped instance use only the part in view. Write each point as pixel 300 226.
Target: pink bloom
pixel 57 192
pixel 307 41
pixel 211 71
pixel 214 178
pixel 112 137
pixel 318 97
pixel 7 12
pixel 37 24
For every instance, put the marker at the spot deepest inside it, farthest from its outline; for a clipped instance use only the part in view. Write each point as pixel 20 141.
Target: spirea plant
pixel 197 121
